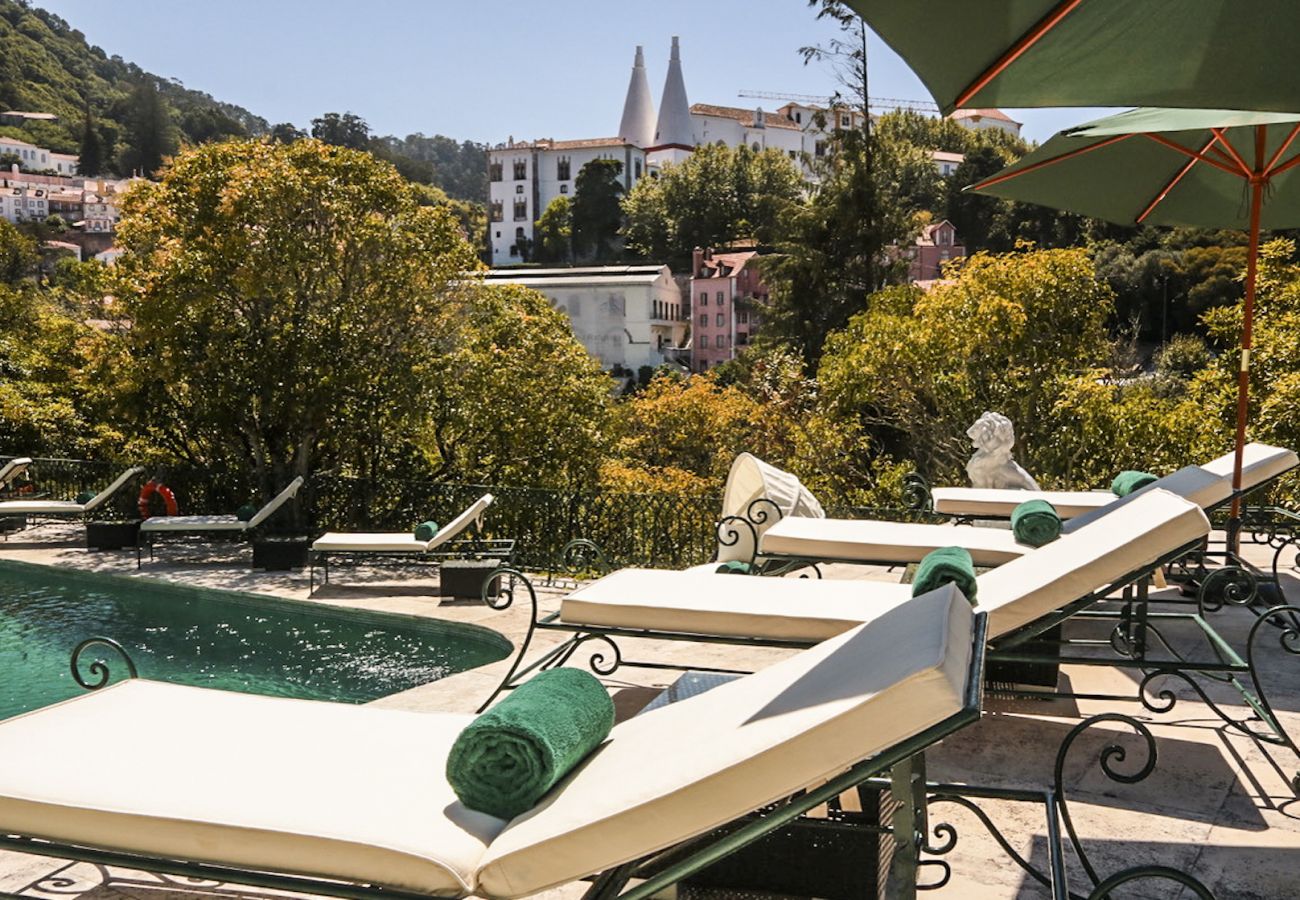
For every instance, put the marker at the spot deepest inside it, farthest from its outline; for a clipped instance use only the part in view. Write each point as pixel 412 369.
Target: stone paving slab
pixel 1218 803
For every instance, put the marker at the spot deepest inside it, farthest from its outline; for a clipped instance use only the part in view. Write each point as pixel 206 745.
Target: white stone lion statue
pixel 992 466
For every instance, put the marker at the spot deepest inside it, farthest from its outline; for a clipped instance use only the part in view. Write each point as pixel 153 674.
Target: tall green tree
pixel 554 233
pixel 293 308
pixel 286 133
pixel 90 159
pixel 346 130
pixel 151 133
pixel 597 213
pixel 715 197
pixel 834 250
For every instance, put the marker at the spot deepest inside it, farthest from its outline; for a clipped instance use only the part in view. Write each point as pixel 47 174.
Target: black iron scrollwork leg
pixel 916 493
pixel 99 670
pixel 506 581
pixel 731 530
pixel 582 555
pixel 597 661
pixel 1056 800
pixel 1229 585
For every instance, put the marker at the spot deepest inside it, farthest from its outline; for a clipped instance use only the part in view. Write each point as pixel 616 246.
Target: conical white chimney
pixel 674 127
pixel 638 125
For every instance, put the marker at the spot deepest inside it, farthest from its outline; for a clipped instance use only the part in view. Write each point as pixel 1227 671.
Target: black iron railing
pixel 660 530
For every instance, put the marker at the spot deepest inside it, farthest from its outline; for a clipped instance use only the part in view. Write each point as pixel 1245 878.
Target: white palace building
pixel 525 176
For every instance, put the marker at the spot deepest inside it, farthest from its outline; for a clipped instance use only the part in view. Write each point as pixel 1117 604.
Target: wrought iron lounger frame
pixel 147 539
pixel 474 547
pixel 910 831
pixel 1136 643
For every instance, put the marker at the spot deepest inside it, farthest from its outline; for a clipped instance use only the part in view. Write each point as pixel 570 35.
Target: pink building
pixel 726 291
pixel 935 245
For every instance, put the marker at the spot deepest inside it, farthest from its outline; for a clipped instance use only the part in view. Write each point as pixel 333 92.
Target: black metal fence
pixel 661 530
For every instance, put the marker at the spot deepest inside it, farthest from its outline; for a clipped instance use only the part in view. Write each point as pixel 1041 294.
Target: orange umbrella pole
pixel 1243 374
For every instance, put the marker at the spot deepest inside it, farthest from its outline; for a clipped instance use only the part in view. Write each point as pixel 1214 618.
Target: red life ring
pixel 152 487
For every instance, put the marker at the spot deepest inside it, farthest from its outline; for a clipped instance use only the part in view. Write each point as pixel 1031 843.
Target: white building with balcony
pixel 24 203
pixel 629 316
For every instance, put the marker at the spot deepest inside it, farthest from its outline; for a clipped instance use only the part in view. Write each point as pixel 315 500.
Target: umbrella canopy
pixel 1018 53
pixel 1197 168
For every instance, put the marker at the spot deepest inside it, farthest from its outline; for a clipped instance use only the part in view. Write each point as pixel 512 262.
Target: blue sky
pixel 475 70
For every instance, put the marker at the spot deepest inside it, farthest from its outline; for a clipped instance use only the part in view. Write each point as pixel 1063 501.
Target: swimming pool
pixel 214 638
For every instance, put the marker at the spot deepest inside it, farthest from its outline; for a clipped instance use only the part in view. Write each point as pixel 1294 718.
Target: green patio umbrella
pixel 1197 168
pixel 1233 54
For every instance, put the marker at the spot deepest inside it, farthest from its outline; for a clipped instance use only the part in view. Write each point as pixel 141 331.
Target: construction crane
pixel 876 103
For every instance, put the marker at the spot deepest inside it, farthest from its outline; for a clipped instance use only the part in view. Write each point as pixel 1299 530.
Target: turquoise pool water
pixel 220 639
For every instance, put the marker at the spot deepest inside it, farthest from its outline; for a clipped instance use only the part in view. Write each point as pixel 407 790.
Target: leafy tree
pixel 90 160
pixel 715 197
pixel 472 217
pixel 292 308
pixel 18 256
pixel 151 134
pixel 458 167
pixel 554 232
pixel 286 133
pixel 596 214
pixel 914 369
pixel 346 130
pixel 832 253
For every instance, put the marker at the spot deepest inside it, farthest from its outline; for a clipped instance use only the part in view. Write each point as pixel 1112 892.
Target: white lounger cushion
pixel 323 789
pixel 66 507
pixel 14 468
pixel 695 602
pixel 377 542
pixel 1260 463
pixel 805 609
pixel 1151 526
pixel 867 540
pixel 193 523
pixel 358 793
pixel 686 768
pixel 398 542
pixel 999 503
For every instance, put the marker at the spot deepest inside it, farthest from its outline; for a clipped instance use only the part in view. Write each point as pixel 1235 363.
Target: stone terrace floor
pixel 1218 804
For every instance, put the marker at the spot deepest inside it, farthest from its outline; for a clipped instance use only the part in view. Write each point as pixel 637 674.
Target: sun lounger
pixel 1076 576
pixel 64 509
pixel 898 543
pixel 13 470
pixel 305 804
pixel 155 527
pixel 1038 587
pixel 1260 465
pixel 357 548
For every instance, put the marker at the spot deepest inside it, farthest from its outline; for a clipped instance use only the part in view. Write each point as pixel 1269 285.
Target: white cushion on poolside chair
pixel 1259 463
pixel 193 523
pixel 399 542
pixel 362 542
pixel 866 540
pixel 1000 503
pixel 1150 527
pixel 12 469
pixel 324 789
pixel 686 768
pixel 66 507
pixel 790 609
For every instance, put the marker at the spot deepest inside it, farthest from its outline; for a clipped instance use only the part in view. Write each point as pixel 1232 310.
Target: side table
pixel 280 553
pixel 113 535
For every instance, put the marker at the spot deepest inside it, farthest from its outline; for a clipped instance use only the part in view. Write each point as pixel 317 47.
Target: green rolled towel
pixel 1035 522
pixel 947 565
pixel 733 567
pixel 509 757
pixel 84 497
pixel 1127 482
pixel 425 531
pixel 246 512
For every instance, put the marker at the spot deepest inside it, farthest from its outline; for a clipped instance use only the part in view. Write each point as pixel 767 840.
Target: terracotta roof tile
pixel 770 120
